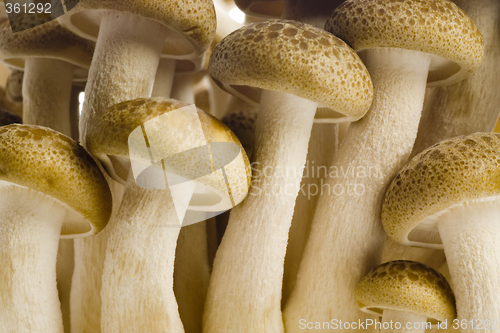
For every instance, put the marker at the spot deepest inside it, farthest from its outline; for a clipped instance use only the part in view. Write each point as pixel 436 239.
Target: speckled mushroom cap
pixel 48 162
pixel 450 173
pixel 261 8
pixel 296 58
pixel 48 40
pixel 406 286
pixel 436 27
pixel 184 129
pixel 192 23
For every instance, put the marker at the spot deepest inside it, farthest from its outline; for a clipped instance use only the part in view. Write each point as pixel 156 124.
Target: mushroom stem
pixel 29 237
pixel 470 234
pixel 137 290
pixel 248 268
pixel 126 55
pixel 46 95
pixel 164 78
pixel 346 236
pixel 183 88
pixel 398 321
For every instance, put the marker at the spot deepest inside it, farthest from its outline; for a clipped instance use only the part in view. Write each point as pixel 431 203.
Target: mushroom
pixel 297 66
pixel 394 41
pixel 130 38
pixel 50 187
pixel 183 163
pixel 447 197
pixel 409 295
pixel 41 51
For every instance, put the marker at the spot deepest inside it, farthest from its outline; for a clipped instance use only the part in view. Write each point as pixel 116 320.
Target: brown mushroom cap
pixel 406 286
pixel 177 138
pixel 295 58
pixel 436 27
pixel 48 40
pixel 450 173
pixel 192 22
pixel 43 160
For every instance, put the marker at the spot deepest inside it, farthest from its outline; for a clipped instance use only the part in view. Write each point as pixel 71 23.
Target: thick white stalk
pixel 47 93
pixel 322 148
pixel 137 283
pixel 395 321
pixel 248 267
pixel 470 235
pixel 29 235
pixel 346 236
pixel 124 65
pixel 164 78
pixel 126 57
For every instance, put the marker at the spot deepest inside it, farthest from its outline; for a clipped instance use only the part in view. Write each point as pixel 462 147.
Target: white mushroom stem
pixel 248 267
pixel 47 93
pixel 29 235
pixel 470 234
pixel 137 290
pixel 164 78
pixel 123 68
pixel 396 321
pixel 126 57
pixel 322 148
pixel 346 236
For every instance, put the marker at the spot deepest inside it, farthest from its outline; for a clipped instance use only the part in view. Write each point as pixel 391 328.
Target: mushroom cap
pixel 48 162
pixel 47 40
pixel 436 27
pixel 450 173
pixel 183 140
pixel 406 286
pixel 192 22
pixel 295 58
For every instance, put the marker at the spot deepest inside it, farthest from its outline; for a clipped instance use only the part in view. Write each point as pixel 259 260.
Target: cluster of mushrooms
pixel 354 140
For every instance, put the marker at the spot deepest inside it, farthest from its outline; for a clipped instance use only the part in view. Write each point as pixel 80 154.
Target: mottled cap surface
pixel 53 164
pixel 406 286
pixel 48 40
pixel 177 134
pixel 295 58
pixel 436 27
pixel 450 173
pixel 192 22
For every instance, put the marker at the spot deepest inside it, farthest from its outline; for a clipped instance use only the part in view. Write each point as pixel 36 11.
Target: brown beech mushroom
pixel 447 197
pixel 181 161
pixel 409 296
pixel 51 57
pixel 294 68
pixel 405 45
pixel 50 187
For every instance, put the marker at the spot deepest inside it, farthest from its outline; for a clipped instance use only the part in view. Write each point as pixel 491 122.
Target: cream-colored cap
pixel 436 27
pixel 406 286
pixel 48 162
pixel 192 23
pixel 182 139
pixel 47 40
pixel 295 58
pixel 450 173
